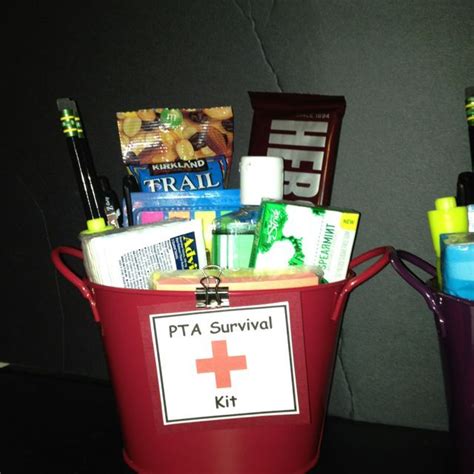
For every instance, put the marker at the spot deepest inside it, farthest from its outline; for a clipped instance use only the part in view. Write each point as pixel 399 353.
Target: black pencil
pixel 89 161
pixel 83 169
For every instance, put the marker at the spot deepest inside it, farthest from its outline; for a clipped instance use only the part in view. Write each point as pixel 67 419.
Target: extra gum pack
pixel 301 234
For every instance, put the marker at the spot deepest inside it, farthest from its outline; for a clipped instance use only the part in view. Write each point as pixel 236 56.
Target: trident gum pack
pixel 171 149
pixel 303 129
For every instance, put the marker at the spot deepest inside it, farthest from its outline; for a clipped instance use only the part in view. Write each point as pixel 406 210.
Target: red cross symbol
pixel 221 364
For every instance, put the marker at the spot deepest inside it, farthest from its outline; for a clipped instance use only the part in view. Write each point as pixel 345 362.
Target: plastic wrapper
pixel 181 176
pixel 304 129
pixel 173 140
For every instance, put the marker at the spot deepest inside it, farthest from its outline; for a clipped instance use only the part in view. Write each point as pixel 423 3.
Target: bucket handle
pixel 351 284
pixel 397 259
pixel 369 272
pixel 66 272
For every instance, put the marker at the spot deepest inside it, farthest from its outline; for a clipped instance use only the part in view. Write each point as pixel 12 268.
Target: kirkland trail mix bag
pixel 171 149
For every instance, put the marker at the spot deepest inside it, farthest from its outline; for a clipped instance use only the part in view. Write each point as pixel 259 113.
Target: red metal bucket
pixel 269 442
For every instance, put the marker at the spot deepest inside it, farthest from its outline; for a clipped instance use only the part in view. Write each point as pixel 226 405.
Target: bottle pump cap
pixel 260 177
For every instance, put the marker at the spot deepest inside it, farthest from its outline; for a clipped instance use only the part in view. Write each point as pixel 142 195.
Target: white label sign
pixel 225 363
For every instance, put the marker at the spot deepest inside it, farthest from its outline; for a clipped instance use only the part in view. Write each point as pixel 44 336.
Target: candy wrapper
pixel 303 129
pixel 171 149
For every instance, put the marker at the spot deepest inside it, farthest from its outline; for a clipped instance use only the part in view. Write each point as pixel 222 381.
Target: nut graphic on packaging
pixel 167 135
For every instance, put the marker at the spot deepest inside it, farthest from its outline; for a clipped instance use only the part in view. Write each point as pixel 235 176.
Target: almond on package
pixel 173 140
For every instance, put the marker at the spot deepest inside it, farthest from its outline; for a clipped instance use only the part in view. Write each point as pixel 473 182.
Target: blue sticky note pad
pixel 205 205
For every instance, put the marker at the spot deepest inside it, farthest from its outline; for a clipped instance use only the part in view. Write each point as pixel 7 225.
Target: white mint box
pixel 289 234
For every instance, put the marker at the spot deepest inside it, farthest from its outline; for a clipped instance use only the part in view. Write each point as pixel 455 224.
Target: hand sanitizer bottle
pixel 232 234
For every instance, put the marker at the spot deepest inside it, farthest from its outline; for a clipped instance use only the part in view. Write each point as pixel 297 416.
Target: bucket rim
pixel 428 288
pixel 341 289
pixel 431 283
pixel 144 291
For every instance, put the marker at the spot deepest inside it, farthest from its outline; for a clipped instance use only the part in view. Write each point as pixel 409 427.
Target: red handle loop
pixel 66 272
pixel 352 283
pixel 369 272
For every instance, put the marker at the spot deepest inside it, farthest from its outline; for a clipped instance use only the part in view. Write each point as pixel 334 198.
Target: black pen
pixel 130 185
pixel 469 104
pixel 103 194
pixel 465 188
pixel 111 202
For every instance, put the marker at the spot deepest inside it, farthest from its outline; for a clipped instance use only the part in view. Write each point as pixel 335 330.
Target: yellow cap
pixel 445 219
pixel 97 225
pixel 445 203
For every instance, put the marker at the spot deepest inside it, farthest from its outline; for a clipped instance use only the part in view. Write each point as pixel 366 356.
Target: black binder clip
pixel 211 295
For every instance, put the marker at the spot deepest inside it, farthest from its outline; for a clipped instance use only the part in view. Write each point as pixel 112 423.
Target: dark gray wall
pixel 402 66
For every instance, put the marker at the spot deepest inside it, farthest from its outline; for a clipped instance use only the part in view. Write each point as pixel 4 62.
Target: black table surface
pixel 56 423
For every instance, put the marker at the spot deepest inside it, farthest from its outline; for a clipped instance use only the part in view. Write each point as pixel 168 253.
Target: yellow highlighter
pixel 446 218
pixel 206 217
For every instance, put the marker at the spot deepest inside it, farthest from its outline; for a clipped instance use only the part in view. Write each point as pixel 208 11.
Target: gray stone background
pixel 402 66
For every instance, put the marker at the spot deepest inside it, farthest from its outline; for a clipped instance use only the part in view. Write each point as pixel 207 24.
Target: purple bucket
pixel 454 319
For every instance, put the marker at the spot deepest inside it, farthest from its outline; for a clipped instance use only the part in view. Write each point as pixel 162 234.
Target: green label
pixel 317 211
pixel 80 132
pixel 274 219
pixel 298 257
pixel 232 250
pixel 271 238
pixel 68 122
pixel 171 118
